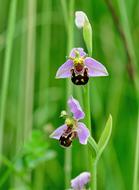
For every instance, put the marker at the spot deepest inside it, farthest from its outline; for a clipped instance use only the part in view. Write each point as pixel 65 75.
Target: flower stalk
pixel 79 67
pixel 82 21
pixel 92 161
pixel 87 35
pixel 69 27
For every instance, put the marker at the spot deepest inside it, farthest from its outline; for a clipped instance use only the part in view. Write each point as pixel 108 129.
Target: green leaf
pixel 35 152
pixel 93 145
pixel 105 136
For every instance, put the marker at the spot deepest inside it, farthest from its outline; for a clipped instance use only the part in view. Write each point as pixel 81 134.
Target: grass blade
pixel 7 65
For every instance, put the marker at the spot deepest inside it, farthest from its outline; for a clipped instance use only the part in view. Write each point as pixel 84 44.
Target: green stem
pixel 16 180
pixel 29 73
pixel 30 68
pixel 7 65
pixel 45 43
pixel 21 88
pixel 136 163
pixel 92 158
pixel 126 28
pixel 91 165
pixel 87 106
pixel 69 27
pixel 94 162
pixel 94 148
pixel 64 9
pixel 130 45
pixel 94 185
pixel 44 66
pixel 68 167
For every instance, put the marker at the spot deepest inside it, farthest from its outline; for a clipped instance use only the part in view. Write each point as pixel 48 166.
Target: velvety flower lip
pixel 72 127
pixel 80 181
pixel 81 131
pixel 79 67
pixel 76 108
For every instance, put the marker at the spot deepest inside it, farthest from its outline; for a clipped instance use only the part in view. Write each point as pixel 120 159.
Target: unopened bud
pixel 63 114
pixel 82 21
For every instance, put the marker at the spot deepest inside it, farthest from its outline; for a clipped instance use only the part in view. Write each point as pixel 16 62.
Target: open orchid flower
pixel 80 181
pixel 72 127
pixel 79 67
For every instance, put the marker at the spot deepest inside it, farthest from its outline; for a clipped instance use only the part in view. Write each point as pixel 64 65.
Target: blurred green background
pixel 33 44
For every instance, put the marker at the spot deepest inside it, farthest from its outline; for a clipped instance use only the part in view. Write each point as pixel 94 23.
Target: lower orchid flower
pixel 72 128
pixel 79 67
pixel 80 181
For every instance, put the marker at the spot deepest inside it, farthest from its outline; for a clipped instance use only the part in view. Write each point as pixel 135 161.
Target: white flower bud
pixel 80 19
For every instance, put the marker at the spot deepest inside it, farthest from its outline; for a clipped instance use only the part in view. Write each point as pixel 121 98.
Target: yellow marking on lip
pixel 77 61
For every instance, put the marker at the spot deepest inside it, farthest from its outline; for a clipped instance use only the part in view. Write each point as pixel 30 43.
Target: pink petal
pixel 58 132
pixel 76 108
pixel 65 70
pixel 83 133
pixel 95 68
pixel 80 50
pixel 80 181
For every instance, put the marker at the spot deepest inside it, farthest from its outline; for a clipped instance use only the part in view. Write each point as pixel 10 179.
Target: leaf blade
pixel 105 136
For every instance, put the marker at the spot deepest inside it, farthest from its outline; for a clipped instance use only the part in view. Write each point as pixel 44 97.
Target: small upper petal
pixel 80 50
pixel 80 181
pixel 64 70
pixel 83 133
pixel 58 132
pixel 95 68
pixel 76 108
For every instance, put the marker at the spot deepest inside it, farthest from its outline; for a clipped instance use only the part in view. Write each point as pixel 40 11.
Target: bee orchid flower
pixel 79 67
pixel 72 127
pixel 79 182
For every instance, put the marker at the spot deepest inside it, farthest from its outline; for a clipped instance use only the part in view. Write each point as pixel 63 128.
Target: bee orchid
pixel 72 128
pixel 79 67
